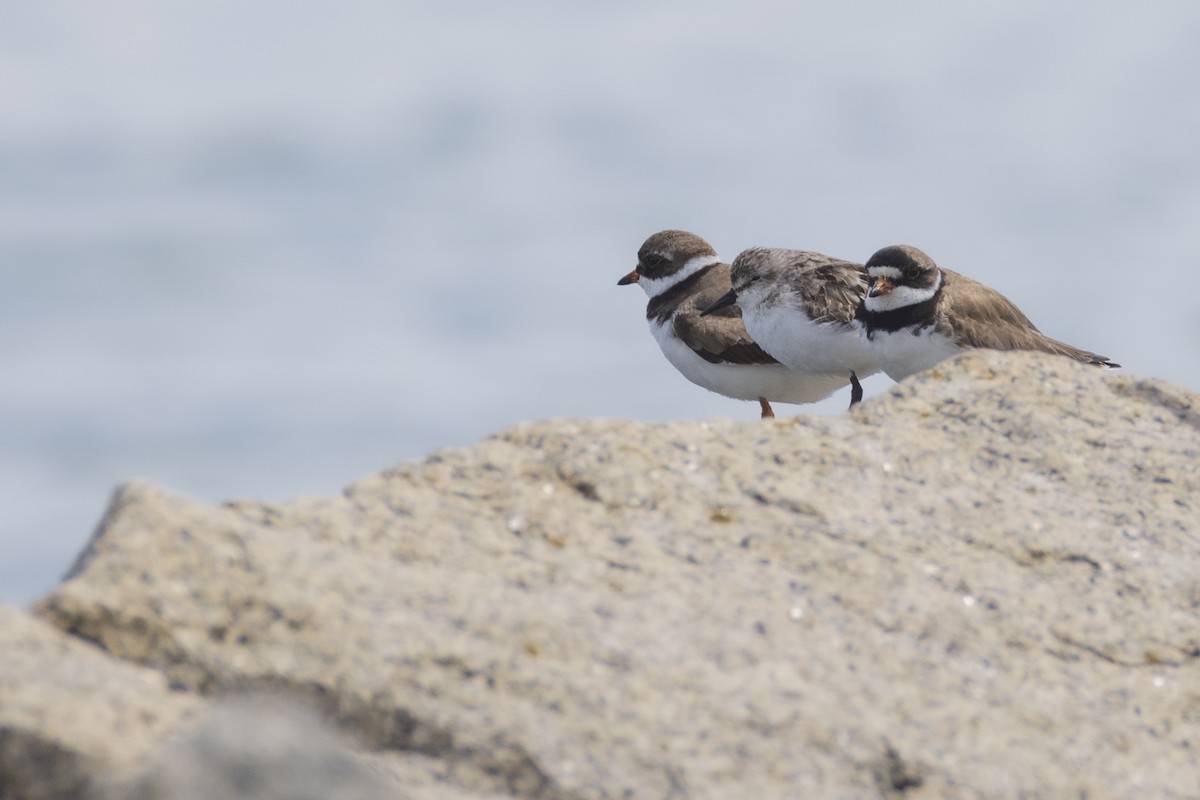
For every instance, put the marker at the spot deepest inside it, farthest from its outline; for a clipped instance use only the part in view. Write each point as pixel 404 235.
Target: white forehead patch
pixel 891 273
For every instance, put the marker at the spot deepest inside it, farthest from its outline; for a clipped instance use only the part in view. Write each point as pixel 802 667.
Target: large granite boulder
pixel 983 583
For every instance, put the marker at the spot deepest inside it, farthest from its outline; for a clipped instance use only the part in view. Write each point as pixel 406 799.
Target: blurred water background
pixel 263 249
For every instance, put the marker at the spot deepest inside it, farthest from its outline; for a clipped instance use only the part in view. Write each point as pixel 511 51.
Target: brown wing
pixel 833 291
pixel 720 337
pixel 985 318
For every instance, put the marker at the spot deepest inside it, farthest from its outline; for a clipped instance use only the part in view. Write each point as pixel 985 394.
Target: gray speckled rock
pixel 257 748
pixel 69 713
pixel 984 583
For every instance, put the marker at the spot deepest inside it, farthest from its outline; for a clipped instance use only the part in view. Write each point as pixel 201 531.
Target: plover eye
pixel 911 272
pixel 652 259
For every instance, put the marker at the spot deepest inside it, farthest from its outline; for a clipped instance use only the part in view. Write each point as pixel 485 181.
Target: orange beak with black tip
pixel 879 287
pixel 630 278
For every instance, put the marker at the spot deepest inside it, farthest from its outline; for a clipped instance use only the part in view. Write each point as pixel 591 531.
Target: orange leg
pixel 767 413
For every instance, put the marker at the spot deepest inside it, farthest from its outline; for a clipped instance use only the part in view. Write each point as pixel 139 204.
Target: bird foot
pixel 856 392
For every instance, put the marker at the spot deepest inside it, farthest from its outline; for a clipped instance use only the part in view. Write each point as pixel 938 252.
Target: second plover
pixel 799 306
pixel 682 275
pixel 915 314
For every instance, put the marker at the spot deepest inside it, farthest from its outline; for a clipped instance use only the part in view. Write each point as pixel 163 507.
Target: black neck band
pixel 920 314
pixel 670 298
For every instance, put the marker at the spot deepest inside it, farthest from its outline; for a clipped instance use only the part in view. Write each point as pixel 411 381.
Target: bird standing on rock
pixel 682 275
pixel 799 306
pixel 916 314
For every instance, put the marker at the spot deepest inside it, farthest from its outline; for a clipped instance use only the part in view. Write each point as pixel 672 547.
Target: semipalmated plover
pixel 682 275
pixel 799 306
pixel 916 314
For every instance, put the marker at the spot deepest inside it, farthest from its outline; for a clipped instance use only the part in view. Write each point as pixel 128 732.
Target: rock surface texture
pixel 982 584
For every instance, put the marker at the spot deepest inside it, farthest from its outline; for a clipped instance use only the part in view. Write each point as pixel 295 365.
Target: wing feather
pixel 834 291
pixel 985 318
pixel 720 337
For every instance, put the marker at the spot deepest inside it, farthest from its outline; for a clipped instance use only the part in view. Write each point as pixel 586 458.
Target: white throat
pixel 656 286
pixel 755 292
pixel 899 296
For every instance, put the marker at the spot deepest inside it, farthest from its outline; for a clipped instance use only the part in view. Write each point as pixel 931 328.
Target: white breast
pixel 773 382
pixel 903 353
pixel 824 348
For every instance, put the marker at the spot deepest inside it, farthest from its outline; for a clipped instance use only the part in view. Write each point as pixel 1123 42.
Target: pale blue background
pixel 263 249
